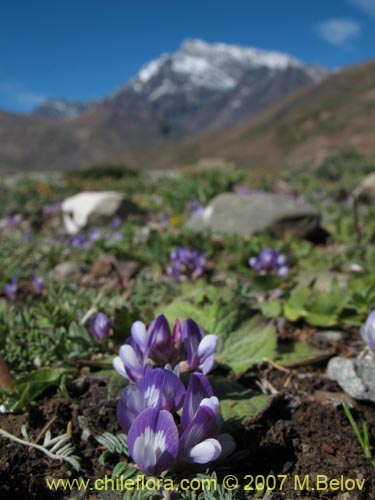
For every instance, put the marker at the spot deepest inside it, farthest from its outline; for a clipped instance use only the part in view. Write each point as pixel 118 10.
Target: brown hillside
pixel 307 125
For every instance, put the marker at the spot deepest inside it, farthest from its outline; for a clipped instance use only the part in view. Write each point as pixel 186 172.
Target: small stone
pixel 333 398
pixel 66 270
pixel 355 376
pixel 330 336
pixel 104 265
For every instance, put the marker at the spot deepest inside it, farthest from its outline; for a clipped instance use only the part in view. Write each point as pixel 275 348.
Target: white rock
pixel 90 208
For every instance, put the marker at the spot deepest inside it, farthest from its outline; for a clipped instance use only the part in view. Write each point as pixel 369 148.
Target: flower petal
pixel 207 347
pixel 153 441
pixel 129 406
pixel 118 365
pixel 139 333
pixel 198 389
pixel 159 340
pixel 203 426
pixel 192 335
pixel 205 452
pixel 134 366
pixel 207 365
pixel 162 388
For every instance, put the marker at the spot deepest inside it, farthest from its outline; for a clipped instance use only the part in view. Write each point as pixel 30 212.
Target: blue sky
pixel 86 49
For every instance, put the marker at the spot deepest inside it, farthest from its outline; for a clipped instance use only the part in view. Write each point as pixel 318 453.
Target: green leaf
pixel 242 343
pixel 294 308
pixel 246 346
pixel 28 387
pixel 298 353
pixel 239 406
pixel 271 309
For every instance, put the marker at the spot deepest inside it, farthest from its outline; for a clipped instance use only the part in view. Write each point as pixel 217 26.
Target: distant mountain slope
pixel 202 86
pixel 59 109
pixel 307 125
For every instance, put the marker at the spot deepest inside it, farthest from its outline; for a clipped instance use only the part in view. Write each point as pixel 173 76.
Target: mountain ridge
pixel 186 89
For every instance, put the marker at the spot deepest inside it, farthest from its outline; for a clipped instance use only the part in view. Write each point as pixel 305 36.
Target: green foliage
pixel 362 437
pixel 238 405
pixel 27 388
pixel 177 192
pixel 100 171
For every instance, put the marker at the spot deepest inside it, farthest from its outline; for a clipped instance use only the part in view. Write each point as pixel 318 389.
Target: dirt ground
pixel 303 434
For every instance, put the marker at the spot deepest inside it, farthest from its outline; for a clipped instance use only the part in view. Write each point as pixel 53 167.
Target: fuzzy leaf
pixel 238 405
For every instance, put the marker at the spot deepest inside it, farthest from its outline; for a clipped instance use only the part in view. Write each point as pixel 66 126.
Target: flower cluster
pixel 270 261
pixel 195 208
pixel 100 326
pixel 52 208
pixel 164 420
pixel 81 240
pixel 36 287
pixel 186 263
pixel 11 221
pixel 185 349
pixel 368 330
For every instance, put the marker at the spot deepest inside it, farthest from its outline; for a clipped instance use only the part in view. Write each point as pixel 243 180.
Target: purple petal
pixel 207 347
pixel 100 326
pixel 10 289
pixel 192 335
pixel 162 388
pixel 129 406
pixel 203 426
pixel 159 340
pixel 198 389
pixel 283 272
pixel 134 366
pixel 139 334
pixel 153 441
pixel 207 365
pixel 37 283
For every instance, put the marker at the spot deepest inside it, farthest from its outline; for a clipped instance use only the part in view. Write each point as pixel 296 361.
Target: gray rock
pixel 245 215
pixel 329 336
pixel 66 270
pixel 365 191
pixel 355 376
pixel 95 207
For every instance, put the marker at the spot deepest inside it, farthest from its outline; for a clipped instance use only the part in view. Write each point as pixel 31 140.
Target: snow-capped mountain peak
pixel 201 65
pixel 200 87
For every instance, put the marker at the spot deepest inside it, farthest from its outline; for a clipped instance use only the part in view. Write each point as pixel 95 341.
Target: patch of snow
pixel 151 69
pixel 166 87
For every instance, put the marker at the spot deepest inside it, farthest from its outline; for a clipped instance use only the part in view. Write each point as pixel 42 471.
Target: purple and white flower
pixel 270 261
pixel 10 289
pixel 153 441
pixel 11 220
pixel 131 362
pixel 159 388
pixel 185 263
pixel 159 339
pixel 199 441
pixel 198 389
pixel 368 331
pixel 200 348
pixel 116 222
pixel 37 284
pixel 195 208
pixel 100 326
